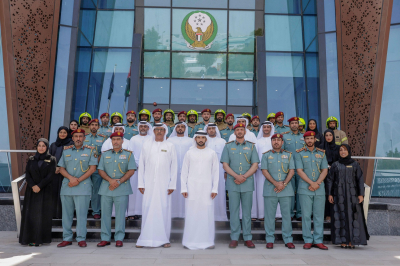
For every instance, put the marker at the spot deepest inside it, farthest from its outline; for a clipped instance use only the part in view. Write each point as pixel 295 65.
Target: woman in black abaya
pixel 312 126
pixel 36 217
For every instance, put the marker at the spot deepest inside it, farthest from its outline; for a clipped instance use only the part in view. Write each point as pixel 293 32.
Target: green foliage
pixel 389 164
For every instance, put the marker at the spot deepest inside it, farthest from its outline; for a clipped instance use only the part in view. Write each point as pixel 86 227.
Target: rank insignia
pixel 246 148
pixel 284 157
pixel 84 155
pixel 270 157
pixel 122 157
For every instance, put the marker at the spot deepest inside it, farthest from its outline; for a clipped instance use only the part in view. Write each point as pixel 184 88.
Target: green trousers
pixel 69 205
pixel 235 198
pixel 121 205
pixel 270 205
pixel 315 206
pixel 96 198
pixel 295 202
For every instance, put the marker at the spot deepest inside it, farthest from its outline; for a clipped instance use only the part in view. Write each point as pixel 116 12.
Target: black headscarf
pixel 62 142
pixel 347 160
pixel 331 149
pixel 316 126
pixel 69 128
pixel 42 156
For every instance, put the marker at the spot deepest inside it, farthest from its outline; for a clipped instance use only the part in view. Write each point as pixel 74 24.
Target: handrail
pixel 17 150
pixel 17 203
pixel 375 158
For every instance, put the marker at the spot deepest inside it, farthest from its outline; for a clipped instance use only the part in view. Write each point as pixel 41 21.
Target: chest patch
pixel 318 156
pixel 47 161
pixel 99 140
pixel 284 156
pixel 225 134
pixel 122 157
pixel 246 148
pixel 305 156
pixel 301 138
pixel 68 155
pixel 86 140
pixel 289 139
pixel 270 157
pixel 349 166
pixel 109 157
pixel 234 149
pixel 84 155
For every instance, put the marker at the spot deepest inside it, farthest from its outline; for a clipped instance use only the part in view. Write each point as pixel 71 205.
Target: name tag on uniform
pixel 246 148
pixel 225 134
pixel 164 150
pixel 301 138
pixel 270 157
pixel 47 161
pixel 234 149
pixel 305 156
pixel 99 140
pixel 134 129
pixel 108 157
pixel 284 157
pixel 84 155
pixel 349 166
pixel 68 155
pixel 289 139
pixel 122 157
pixel 86 140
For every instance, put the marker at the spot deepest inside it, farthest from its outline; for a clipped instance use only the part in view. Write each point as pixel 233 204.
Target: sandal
pixel 168 245
pixel 139 246
pixel 130 218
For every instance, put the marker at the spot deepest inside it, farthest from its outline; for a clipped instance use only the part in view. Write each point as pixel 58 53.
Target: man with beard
pixel 192 117
pixel 157 180
pixel 206 115
pixel 95 140
pixel 249 135
pixel 255 123
pixel 248 117
pixel 312 167
pixel 271 118
pixel 182 116
pixel 104 128
pixel 240 161
pixel 135 144
pixel 130 128
pixel 144 115
pixel 219 117
pixel 116 118
pixel 77 164
pixel 169 117
pixel 116 168
pixel 84 119
pixel 279 126
pixel 199 181
pixel 293 141
pixel 107 145
pixel 182 144
pixel 278 168
pixel 340 136
pixel 216 143
pixel 302 124
pixel 228 131
pixel 157 115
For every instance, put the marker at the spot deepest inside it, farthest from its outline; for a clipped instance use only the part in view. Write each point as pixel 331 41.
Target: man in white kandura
pixel 107 145
pixel 216 143
pixel 158 168
pixel 199 182
pixel 179 137
pixel 263 145
pixel 135 144
pixel 249 136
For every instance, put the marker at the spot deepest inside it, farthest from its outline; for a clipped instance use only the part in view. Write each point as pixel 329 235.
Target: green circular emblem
pixel 199 29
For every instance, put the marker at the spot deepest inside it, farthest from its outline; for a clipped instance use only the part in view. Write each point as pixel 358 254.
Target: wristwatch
pixel 285 184
pixel 119 182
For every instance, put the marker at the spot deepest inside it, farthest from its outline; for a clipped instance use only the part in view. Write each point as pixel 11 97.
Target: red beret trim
pixel 277 135
pixel 278 114
pixel 93 120
pixel 131 112
pixel 104 114
pixel 117 134
pixel 157 110
pixel 206 110
pixel 239 125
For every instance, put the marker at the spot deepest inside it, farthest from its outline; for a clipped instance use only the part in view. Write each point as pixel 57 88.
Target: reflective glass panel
pixel 202 3
pixel 192 30
pixel 396 11
pixel 199 65
pixel 157 30
pixel 156 90
pixel 241 31
pixel 241 67
pixel 87 20
pixel 156 64
pixel 330 15
pixel 285 78
pixel 202 92
pixel 88 4
pixel 332 75
pixel 81 81
pixel 240 4
pixel 116 4
pixel 310 33
pixel 114 28
pixel 283 6
pixel 240 93
pixel 157 2
pixel 283 33
pixel 104 62
pixel 309 7
pixel 313 86
pixel 67 10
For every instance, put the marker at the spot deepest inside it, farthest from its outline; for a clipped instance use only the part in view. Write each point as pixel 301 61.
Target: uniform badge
pixel 305 156
pixel 246 148
pixel 288 139
pixel 99 140
pixel 84 155
pixel 318 156
pixel 109 157
pixel 68 155
pixel 122 157
pixel 109 130
pixel 301 138
pixel 284 157
pixel 234 149
pixel 87 140
pixel 164 150
pixel 270 157
pixel 225 134
pixel 47 161
pixel 134 129
pixel 349 166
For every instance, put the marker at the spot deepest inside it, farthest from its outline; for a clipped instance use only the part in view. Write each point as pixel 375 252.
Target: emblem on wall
pixel 199 29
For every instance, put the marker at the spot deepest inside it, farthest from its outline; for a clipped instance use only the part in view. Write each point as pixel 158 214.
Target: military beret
pixel 182 112
pixel 255 117
pixel 157 110
pixel 206 110
pixel 293 119
pixel 93 120
pixel 229 115
pixel 240 125
pixel 131 112
pixel 104 114
pixel 277 135
pixel 79 130
pixel 117 134
pixel 278 114
pixel 309 133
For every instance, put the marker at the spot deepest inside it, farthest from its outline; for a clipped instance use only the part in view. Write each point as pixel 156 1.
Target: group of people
pixel 161 170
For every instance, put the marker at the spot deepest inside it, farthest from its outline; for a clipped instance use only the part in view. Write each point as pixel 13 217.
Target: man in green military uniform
pixel 292 141
pixel 116 118
pixel 116 168
pixel 95 140
pixel 157 115
pixel 312 167
pixel 340 135
pixel 192 117
pixel 104 128
pixel 144 115
pixel 206 115
pixel 279 126
pixel 219 117
pixel 228 131
pixel 131 129
pixel 77 164
pixel 182 116
pixel 277 166
pixel 271 118
pixel 240 161
pixel 169 117
pixel 255 125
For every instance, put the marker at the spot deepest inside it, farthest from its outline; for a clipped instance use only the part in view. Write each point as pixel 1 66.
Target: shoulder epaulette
pixel 101 135
pixel 68 147
pixel 87 134
pixel 286 125
pixel 198 123
pixel 321 150
pixel 251 142
pixel 302 149
pixel 283 133
pixel 89 147
pixel 229 142
pixel 287 151
pixel 108 150
pixel 127 150
pixel 266 151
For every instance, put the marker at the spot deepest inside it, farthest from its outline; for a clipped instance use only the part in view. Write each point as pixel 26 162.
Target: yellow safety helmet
pixel 219 111
pixel 193 112
pixel 116 114
pixel 247 115
pixel 331 119
pixel 271 115
pixel 145 112
pixel 85 114
pixel 169 111
pixel 302 122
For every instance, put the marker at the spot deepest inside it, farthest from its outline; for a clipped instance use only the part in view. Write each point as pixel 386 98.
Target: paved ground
pixel 382 250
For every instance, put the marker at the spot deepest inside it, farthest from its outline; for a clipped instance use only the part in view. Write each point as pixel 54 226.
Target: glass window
pixel 189 34
pixel 241 66
pixel 283 7
pixel 330 16
pixel 67 10
pixel 199 65
pixel 240 93
pixel 156 64
pixel 202 3
pixel 116 4
pixel 285 78
pixel 87 20
pixel 157 2
pixel 201 92
pixel 88 4
pixel 309 7
pixel 241 31
pixel 396 11
pixel 81 80
pixel 283 33
pixel 157 30
pixel 114 28
pixel 103 65
pixel 240 4
pixel 332 75
pixel 313 86
pixel 310 33
pixel 156 90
